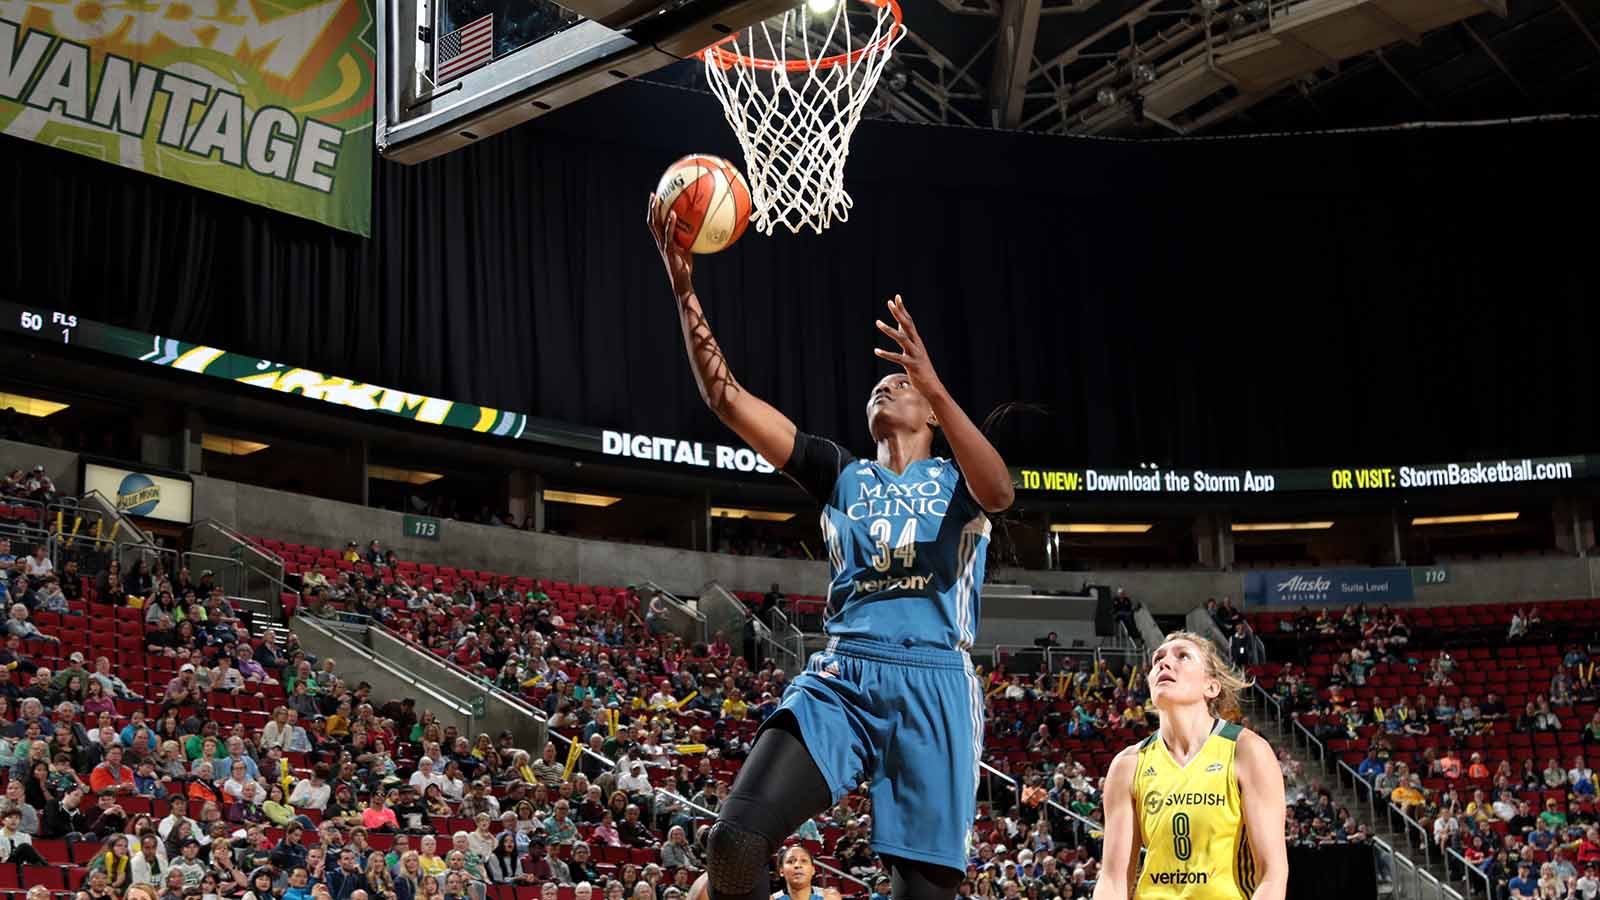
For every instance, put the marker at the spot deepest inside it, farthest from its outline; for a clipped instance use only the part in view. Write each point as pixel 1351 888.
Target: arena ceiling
pixel 1154 68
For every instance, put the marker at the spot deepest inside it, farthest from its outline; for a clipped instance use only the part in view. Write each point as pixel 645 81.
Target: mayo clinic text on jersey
pixel 885 499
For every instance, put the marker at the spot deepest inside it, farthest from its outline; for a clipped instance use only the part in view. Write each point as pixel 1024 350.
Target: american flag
pixel 464 49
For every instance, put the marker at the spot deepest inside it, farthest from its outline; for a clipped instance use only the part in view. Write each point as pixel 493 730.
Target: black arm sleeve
pixel 815 465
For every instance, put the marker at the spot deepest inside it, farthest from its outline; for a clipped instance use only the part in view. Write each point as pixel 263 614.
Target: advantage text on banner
pixel 265 102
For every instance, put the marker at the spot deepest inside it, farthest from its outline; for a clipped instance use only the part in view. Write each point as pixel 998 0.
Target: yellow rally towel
pixel 573 752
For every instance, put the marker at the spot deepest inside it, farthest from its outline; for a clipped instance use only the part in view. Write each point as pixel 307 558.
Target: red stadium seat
pixel 52 877
pixel 54 851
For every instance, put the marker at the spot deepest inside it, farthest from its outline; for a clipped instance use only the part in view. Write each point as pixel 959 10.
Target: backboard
pixel 452 72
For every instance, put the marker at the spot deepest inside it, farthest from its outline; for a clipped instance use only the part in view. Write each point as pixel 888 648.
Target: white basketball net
pixel 794 97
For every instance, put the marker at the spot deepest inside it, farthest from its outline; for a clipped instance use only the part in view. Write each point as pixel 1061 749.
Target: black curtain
pixel 1332 872
pixel 1274 300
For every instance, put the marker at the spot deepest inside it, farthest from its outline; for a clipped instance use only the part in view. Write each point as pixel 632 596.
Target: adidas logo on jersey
pixel 1214 767
pixel 935 472
pixel 1150 772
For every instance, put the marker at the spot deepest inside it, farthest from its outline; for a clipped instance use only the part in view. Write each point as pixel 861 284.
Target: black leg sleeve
pixel 917 880
pixel 777 789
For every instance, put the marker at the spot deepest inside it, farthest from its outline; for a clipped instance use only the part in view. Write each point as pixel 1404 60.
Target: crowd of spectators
pixel 685 713
pixel 1052 732
pixel 32 484
pixel 335 791
pixel 1454 757
pixel 332 791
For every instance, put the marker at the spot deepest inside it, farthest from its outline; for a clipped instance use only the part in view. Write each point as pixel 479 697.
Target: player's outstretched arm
pixel 1119 863
pixel 767 431
pixel 1261 785
pixel 981 465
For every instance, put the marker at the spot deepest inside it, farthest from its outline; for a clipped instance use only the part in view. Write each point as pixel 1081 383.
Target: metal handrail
pixel 25 530
pixel 54 514
pixel 1401 861
pixel 792 637
pixel 240 539
pixel 1199 621
pixel 234 534
pixel 1390 809
pixel 1405 865
pixel 745 616
pixel 228 571
pixel 1440 888
pixel 1274 702
pixel 675 601
pixel 996 773
pixel 1427 848
pixel 455 703
pixel 64 545
pixel 1468 870
pixel 677 605
pixel 519 703
pixel 487 685
pixel 1123 639
pixel 1312 741
pixel 1410 823
pixel 19 500
pixel 1097 654
pixel 125 521
pixel 274 600
pixel 1358 784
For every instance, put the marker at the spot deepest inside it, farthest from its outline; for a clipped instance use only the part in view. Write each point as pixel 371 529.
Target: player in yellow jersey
pixel 1202 796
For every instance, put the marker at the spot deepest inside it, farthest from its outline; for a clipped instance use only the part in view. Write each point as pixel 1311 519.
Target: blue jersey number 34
pixel 903 549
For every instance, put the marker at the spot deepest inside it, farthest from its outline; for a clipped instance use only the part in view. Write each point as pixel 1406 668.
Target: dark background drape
pixel 1274 300
pixel 1332 872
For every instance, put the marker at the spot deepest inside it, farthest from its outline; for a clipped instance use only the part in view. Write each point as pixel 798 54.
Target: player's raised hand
pixel 679 262
pixel 913 355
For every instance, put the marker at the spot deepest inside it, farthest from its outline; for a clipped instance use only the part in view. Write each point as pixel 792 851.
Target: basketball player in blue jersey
pixel 892 700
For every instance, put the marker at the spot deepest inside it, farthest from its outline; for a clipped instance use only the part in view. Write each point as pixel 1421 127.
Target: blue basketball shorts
pixel 909 722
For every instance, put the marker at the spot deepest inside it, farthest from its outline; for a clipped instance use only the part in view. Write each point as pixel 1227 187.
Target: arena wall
pixel 294 517
pixel 1499 581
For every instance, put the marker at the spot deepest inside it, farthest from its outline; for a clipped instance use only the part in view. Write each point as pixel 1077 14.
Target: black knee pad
pixel 736 857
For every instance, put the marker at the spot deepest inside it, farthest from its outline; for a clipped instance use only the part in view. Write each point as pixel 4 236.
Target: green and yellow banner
pixel 269 101
pixel 334 389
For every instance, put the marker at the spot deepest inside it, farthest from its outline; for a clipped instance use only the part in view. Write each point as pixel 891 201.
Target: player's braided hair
pixel 1005 551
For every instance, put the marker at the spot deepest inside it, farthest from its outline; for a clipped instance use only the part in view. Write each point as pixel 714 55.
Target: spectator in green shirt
pixel 1553 819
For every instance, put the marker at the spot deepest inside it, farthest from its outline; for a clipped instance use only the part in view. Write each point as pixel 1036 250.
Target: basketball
pixel 711 199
